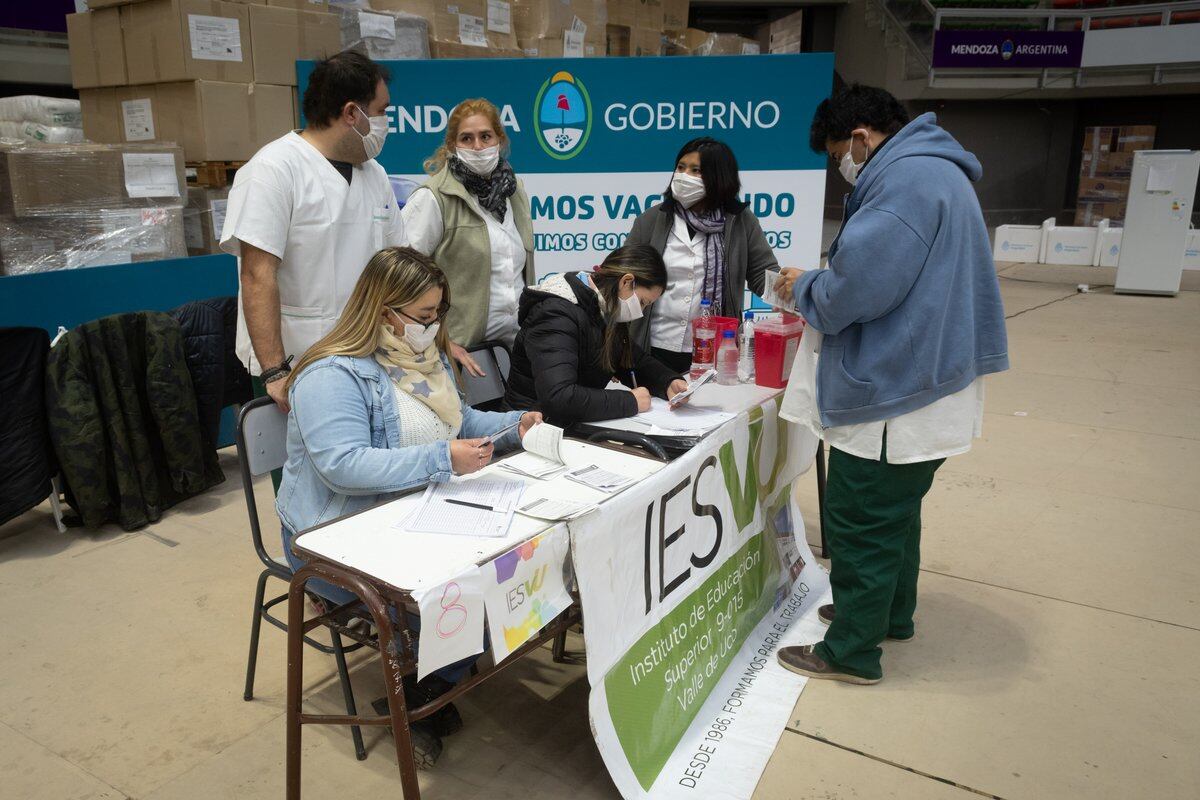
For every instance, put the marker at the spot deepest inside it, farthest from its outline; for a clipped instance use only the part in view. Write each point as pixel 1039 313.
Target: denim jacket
pixel 343 452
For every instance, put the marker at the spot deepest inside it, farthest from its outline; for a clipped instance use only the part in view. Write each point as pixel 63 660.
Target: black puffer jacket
pixel 26 457
pixel 556 358
pixel 209 328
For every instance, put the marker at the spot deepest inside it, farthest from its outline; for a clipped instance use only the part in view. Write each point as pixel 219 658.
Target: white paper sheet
pixel 215 38
pixel 531 465
pixel 594 477
pixel 471 30
pixel 376 26
pixel 544 440
pixel 452 616
pixel 138 120
pixel 499 16
pixel 689 419
pixel 555 510
pixel 572 44
pixel 218 217
pixel 437 515
pixel 1161 178
pixel 770 277
pixel 693 385
pixel 150 175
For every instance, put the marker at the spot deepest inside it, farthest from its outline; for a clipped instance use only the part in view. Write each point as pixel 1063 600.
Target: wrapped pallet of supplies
pixel 384 35
pixel 69 206
pixel 90 238
pixel 51 111
pixel 37 132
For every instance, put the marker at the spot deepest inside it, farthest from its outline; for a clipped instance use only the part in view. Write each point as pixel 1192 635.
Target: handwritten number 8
pixel 452 611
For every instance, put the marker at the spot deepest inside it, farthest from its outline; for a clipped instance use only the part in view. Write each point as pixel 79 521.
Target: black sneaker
pixel 446 721
pixel 426 745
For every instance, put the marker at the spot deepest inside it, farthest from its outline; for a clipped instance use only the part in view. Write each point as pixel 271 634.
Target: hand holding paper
pixel 779 295
pixel 681 398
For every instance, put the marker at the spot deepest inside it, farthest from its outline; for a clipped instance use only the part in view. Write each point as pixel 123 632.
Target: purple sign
pixel 1007 49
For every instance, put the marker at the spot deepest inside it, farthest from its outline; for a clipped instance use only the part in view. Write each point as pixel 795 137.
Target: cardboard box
pixel 648 15
pixel 458 50
pixel 684 42
pixel 97 49
pixel 1089 213
pixel 618 39
pixel 97 237
pixel 299 5
pixel 410 34
pixel 675 14
pixel 280 37
pixel 212 120
pixel 728 44
pixel 1131 138
pixel 180 40
pixel 1104 189
pixel 480 23
pixel 46 179
pixel 622 13
pixel 538 19
pixel 1093 165
pixel 203 218
pixel 556 47
pixel 645 42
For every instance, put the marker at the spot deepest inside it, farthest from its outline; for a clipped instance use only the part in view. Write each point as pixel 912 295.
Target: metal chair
pixel 262 447
pixel 495 359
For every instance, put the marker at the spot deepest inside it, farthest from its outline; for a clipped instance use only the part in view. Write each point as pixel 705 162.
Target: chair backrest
pixel 494 359
pixel 262 447
pixel 262 436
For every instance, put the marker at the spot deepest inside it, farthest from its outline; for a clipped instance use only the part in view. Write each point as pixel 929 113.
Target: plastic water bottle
pixel 727 360
pixel 704 340
pixel 745 368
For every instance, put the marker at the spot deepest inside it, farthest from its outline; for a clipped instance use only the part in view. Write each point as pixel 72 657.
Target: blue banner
pixel 614 114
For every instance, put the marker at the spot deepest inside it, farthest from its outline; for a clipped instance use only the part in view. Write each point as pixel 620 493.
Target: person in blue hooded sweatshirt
pixel 907 319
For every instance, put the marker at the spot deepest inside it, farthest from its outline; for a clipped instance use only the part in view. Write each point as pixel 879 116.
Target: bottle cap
pixel 706 302
pixel 749 315
pixel 728 334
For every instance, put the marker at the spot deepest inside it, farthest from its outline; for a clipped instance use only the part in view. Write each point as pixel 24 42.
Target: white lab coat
pixel 291 202
pixel 671 323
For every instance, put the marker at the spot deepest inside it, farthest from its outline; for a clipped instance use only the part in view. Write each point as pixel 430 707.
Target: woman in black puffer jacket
pixel 574 340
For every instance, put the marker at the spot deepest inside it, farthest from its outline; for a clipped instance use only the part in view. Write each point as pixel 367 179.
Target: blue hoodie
pixel 910 305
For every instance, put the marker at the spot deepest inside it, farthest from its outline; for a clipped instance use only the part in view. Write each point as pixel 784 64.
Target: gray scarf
pixel 710 224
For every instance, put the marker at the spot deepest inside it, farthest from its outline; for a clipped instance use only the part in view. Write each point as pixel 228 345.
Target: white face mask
pixel 481 162
pixel 420 337
pixel 628 308
pixel 687 189
pixel 373 140
pixel 847 166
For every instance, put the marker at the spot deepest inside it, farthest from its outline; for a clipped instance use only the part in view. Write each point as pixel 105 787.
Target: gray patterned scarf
pixel 493 191
pixel 711 225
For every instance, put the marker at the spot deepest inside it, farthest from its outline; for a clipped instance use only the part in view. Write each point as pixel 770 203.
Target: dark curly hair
pixel 856 106
pixel 348 77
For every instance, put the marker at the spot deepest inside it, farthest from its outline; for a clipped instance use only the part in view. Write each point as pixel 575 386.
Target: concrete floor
pixel 1058 632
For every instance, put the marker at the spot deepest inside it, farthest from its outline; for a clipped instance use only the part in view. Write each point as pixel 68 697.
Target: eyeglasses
pixel 439 317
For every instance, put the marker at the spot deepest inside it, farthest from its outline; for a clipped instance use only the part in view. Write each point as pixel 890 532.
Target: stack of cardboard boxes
pixel 635 27
pixel 1105 166
pixel 80 205
pixel 462 28
pixel 785 33
pixel 561 28
pixel 216 77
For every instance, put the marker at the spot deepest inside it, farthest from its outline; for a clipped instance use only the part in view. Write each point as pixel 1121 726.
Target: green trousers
pixel 873 529
pixel 260 390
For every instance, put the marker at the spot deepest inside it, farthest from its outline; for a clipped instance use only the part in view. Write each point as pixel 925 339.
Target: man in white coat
pixel 306 214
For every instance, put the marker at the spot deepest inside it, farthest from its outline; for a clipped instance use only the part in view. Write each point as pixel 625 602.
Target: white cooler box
pixel 1020 243
pixel 1070 246
pixel 1108 245
pixel 1191 254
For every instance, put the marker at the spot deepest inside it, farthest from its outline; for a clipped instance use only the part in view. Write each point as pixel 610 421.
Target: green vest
pixel 465 255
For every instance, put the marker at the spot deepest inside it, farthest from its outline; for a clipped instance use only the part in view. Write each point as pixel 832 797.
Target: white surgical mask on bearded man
pixel 687 189
pixel 373 139
pixel 481 162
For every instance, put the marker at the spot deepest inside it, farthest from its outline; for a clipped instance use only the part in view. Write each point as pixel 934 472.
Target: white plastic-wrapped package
pixel 37 132
pixel 52 111
pixel 91 238
pixel 384 35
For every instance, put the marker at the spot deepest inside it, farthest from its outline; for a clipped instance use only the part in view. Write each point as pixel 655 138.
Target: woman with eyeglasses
pixel 374 411
pixel 711 242
pixel 574 341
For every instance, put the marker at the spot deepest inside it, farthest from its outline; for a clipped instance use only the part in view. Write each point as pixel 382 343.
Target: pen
pixel 480 506
pixel 633 379
pixel 501 432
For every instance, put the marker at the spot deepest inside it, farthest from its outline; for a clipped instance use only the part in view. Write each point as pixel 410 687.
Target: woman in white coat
pixel 473 218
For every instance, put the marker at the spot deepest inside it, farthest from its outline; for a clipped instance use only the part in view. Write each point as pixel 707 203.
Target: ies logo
pixel 562 116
